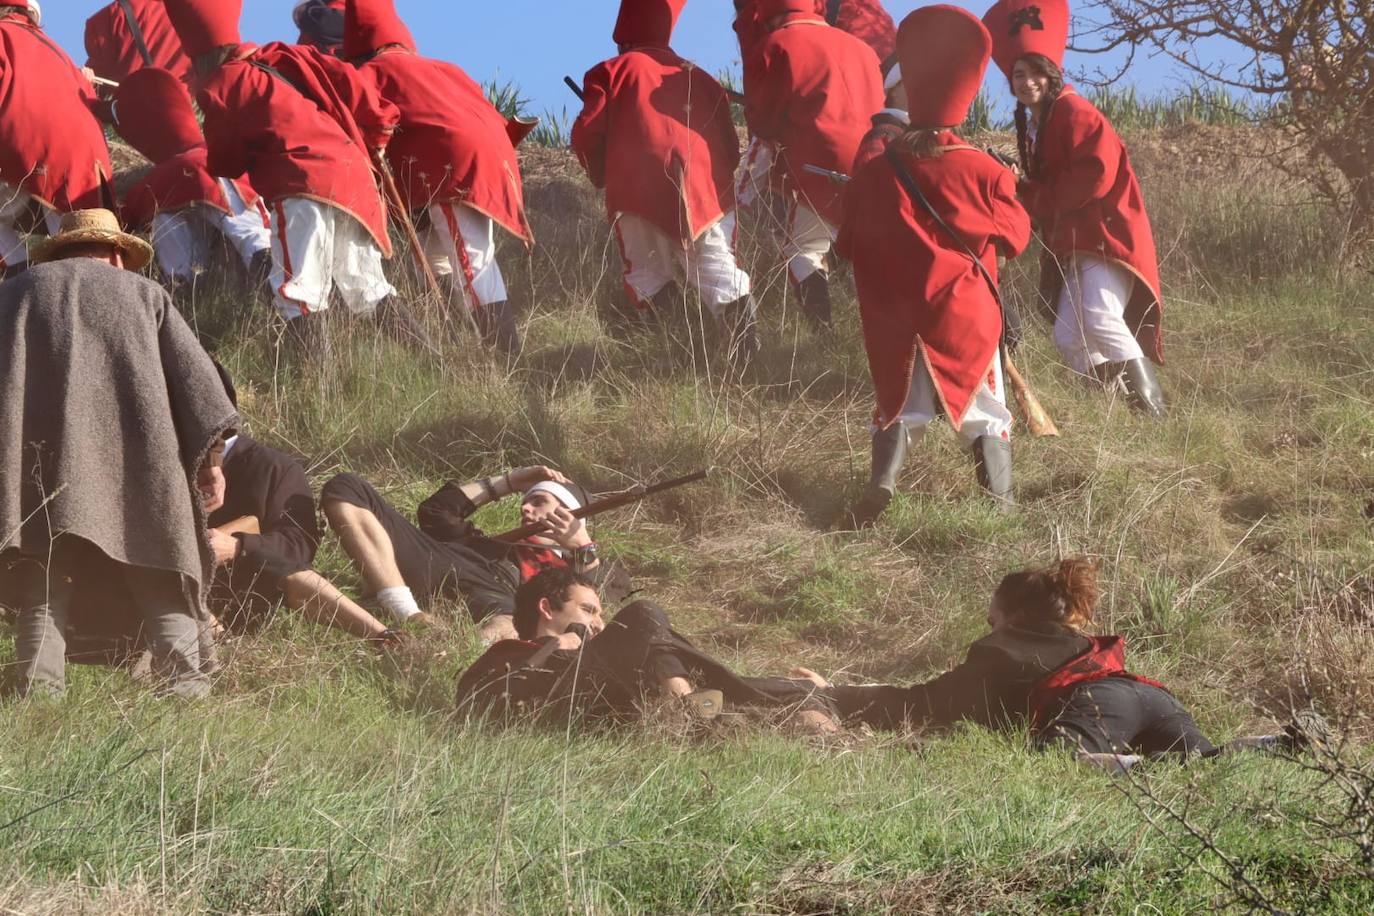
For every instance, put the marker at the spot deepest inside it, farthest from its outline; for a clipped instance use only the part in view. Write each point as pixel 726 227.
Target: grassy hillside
pixel 1235 537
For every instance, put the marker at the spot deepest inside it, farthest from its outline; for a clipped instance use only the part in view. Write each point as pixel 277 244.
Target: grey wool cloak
pixel 108 408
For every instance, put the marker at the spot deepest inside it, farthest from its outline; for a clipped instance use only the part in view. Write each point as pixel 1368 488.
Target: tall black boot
pixel 890 447
pixel 257 278
pixel 395 320
pixel 1142 386
pixel 306 340
pixel 992 463
pixel 815 300
pixel 739 320
pixel 496 322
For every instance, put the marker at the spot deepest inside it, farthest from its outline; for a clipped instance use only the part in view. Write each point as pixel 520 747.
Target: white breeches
pixel 183 239
pixel 653 260
pixel 1091 325
pixel 987 415
pixel 809 238
pixel 317 248
pixel 462 241
pixel 14 203
pixel 751 181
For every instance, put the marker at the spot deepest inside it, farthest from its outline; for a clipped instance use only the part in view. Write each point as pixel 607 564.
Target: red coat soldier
pixel 932 325
pixel 1080 188
pixel 301 126
pixel 656 133
pixel 810 90
pixel 129 35
pixel 53 157
pixel 453 159
pixel 186 207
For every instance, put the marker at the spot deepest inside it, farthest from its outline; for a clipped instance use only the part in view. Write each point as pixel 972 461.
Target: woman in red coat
pixel 454 162
pixel 932 325
pixel 1079 186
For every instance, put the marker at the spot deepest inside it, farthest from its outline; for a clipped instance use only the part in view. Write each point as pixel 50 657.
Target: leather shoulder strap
pixel 136 31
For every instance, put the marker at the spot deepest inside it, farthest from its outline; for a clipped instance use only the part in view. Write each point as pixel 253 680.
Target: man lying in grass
pixel 447 555
pixel 568 661
pixel 1040 669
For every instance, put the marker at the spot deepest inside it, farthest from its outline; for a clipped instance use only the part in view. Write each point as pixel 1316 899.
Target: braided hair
pixel 1049 69
pixel 1065 593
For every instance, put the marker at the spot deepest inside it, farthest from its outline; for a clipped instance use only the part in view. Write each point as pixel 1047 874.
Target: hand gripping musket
pixel 606 504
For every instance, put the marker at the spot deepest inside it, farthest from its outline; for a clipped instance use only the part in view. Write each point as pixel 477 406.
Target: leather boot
pixel 257 278
pixel 496 322
pixel 739 321
pixel 992 463
pixel 396 322
pixel 306 340
pixel 1142 387
pixel 815 300
pixel 890 448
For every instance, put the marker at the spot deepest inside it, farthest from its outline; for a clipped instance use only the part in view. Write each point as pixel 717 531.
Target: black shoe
pixel 739 320
pixel 815 300
pixel 1142 386
pixel 395 320
pixel 890 448
pixel 306 338
pixel 496 323
pixel 992 463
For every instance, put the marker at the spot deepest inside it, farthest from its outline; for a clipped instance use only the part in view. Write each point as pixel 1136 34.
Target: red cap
pixel 153 112
pixel 1021 27
pixel 767 9
pixel 943 52
pixel 370 24
pixel 203 25
pixel 646 22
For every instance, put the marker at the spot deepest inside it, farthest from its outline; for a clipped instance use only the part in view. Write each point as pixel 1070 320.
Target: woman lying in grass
pixel 1039 668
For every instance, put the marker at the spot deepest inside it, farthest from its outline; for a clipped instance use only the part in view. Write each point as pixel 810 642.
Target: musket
pixel 400 214
pixel 837 177
pixel 606 504
pixel 576 89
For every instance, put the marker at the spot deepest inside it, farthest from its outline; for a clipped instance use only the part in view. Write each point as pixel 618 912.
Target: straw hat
pixel 84 227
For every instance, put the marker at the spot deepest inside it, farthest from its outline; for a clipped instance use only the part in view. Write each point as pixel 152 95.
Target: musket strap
pixel 136 31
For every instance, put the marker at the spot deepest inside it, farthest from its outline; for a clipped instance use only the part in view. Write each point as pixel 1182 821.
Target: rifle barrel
pixel 615 501
pixel 576 89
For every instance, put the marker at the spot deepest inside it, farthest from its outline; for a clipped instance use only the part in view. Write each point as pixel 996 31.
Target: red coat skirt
pixel 655 132
pixel 1085 198
pixel 112 52
pixel 451 144
pixel 51 145
pixel 813 90
pixel 290 146
pixel 178 182
pixel 920 295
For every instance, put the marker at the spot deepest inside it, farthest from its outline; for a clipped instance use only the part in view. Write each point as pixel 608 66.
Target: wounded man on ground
pixel 568 661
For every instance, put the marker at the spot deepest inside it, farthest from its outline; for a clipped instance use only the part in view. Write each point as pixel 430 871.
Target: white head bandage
pixel 35 12
pixel 894 78
pixel 557 490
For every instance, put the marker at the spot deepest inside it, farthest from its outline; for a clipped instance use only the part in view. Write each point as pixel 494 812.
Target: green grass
pixel 1238 563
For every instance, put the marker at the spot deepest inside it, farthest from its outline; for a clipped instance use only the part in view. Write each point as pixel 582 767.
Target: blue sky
pixel 536 42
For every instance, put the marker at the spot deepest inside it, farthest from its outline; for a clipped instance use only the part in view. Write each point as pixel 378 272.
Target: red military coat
pixel 920 296
pixel 866 20
pixel 51 145
pixel 180 181
pixel 259 125
pixel 655 132
pixel 452 144
pixel 1085 198
pixel 112 52
pixel 812 89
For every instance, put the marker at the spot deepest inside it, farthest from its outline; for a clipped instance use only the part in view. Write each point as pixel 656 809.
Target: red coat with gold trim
pixel 920 296
pixel 286 143
pixel 452 144
pixel 1085 198
pixel 180 181
pixel 655 131
pixel 812 89
pixel 112 52
pixel 51 145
